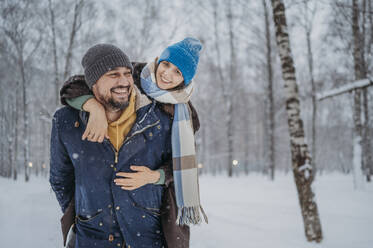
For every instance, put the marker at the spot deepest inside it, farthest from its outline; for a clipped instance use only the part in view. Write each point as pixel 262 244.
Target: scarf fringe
pixel 190 215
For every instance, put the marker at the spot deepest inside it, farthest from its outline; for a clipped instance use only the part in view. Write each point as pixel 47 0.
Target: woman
pixel 168 80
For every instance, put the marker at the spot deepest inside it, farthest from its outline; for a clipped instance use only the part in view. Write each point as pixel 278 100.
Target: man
pixel 139 134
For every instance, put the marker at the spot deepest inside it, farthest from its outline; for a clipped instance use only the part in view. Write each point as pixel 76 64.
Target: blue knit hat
pixel 185 55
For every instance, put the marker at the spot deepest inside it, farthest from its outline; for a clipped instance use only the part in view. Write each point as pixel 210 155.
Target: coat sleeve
pixel 78 102
pixel 61 176
pixel 168 172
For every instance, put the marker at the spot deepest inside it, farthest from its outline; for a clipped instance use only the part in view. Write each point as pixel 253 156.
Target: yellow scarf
pixel 119 129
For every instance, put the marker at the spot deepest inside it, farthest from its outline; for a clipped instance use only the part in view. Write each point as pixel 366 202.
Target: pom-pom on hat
pixel 185 55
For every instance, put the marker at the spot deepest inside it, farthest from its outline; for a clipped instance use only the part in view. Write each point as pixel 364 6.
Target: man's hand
pixel 97 125
pixel 134 180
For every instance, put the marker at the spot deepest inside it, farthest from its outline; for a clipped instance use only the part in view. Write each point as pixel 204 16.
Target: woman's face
pixel 168 76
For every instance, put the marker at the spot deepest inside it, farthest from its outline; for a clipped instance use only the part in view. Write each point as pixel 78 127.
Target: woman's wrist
pixel 155 176
pixel 92 105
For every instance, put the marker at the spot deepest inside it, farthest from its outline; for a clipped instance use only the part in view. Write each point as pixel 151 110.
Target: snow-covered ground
pixel 243 212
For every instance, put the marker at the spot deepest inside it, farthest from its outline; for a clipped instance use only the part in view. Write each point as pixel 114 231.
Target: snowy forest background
pixel 239 97
pixel 242 105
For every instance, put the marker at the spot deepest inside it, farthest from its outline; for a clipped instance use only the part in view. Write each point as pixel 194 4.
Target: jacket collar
pixel 141 99
pixel 146 118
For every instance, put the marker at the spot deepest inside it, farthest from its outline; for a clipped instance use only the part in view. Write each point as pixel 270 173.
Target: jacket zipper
pixel 116 157
pixel 116 153
pixel 140 131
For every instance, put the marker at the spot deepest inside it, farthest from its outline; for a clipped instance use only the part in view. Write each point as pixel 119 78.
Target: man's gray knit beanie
pixel 102 58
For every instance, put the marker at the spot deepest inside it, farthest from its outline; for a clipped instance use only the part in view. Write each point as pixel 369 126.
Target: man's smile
pixel 120 91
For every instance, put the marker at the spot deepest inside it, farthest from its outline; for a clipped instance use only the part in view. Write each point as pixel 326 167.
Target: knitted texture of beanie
pixel 185 55
pixel 102 58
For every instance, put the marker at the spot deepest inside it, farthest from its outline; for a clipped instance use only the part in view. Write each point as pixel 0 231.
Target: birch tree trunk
pixel 246 152
pixel 11 138
pixel 270 108
pixel 309 14
pixel 301 158
pixel 54 49
pixel 2 142
pixel 15 175
pixel 357 143
pixel 314 102
pixel 367 154
pixel 370 43
pixel 228 90
pixel 7 134
pixel 25 114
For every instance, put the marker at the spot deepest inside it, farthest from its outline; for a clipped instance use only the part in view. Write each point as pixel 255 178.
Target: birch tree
pixel 301 158
pixel 54 50
pixel 228 89
pixel 270 108
pixel 366 40
pixel 308 11
pixel 357 142
pixel 2 142
pixel 353 25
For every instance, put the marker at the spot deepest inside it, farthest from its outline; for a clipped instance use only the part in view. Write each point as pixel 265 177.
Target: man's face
pixel 113 88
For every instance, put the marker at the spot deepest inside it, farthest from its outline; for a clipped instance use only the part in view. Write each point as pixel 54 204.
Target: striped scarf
pixel 185 169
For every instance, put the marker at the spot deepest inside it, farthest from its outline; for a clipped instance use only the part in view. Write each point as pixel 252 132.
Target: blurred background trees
pixel 239 95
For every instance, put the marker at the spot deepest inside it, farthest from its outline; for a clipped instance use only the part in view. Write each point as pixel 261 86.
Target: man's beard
pixel 116 105
pixel 111 104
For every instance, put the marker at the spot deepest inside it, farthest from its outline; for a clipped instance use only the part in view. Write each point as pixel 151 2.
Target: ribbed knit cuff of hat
pixel 103 65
